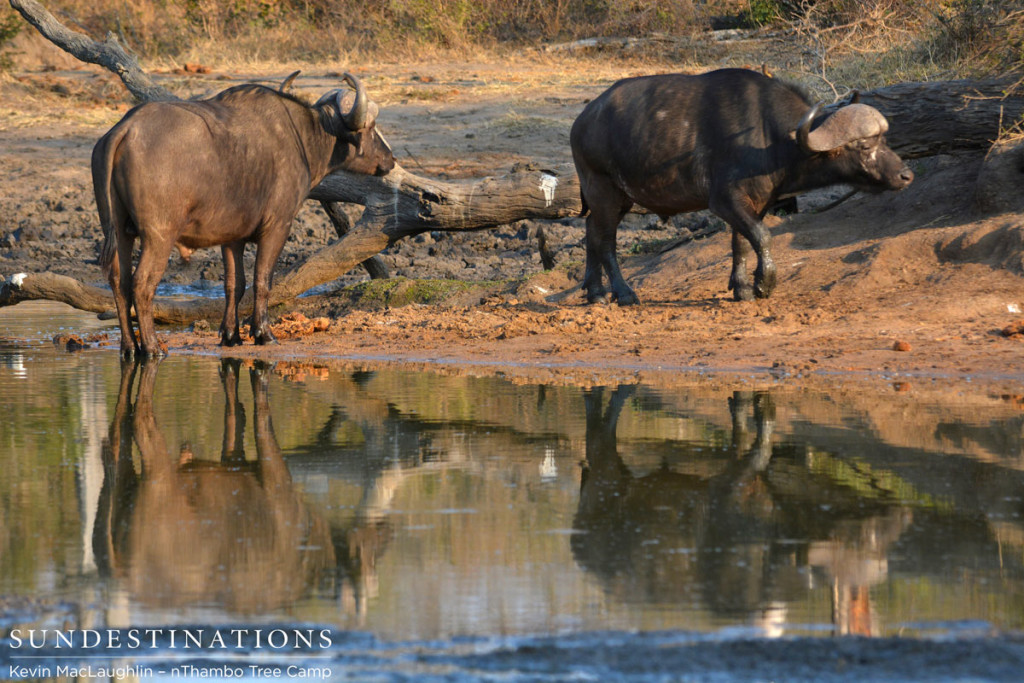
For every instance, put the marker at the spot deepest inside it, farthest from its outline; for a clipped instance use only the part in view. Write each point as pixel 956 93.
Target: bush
pixel 10 24
pixel 965 36
pixel 874 42
pixel 986 35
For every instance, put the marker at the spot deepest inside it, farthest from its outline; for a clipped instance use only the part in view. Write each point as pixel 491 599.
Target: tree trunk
pixel 374 266
pixel 925 119
pixel 946 116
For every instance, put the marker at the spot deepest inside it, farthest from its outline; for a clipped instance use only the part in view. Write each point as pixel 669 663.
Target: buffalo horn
pixel 852 122
pixel 804 127
pixel 356 119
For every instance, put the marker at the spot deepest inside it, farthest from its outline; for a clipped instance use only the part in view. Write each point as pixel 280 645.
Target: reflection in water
pixel 236 533
pixel 748 537
pixel 420 505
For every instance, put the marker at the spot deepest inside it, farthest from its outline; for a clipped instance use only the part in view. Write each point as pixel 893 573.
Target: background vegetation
pixel 966 37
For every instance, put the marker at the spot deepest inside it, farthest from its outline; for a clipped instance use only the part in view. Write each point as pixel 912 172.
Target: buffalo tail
pixel 583 202
pixel 102 181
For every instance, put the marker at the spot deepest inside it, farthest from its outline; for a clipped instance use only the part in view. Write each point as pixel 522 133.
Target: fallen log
pixel 67 290
pixel 398 205
pixel 944 117
pixel 925 119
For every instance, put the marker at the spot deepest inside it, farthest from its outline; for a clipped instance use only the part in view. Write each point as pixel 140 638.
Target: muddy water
pixel 458 527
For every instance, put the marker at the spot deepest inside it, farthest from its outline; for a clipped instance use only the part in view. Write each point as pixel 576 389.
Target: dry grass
pixel 831 46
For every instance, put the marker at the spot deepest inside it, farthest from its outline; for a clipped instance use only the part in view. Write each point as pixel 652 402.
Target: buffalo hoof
pixel 743 293
pixel 596 294
pixel 763 290
pixel 627 299
pixel 265 339
pixel 764 281
pixel 232 340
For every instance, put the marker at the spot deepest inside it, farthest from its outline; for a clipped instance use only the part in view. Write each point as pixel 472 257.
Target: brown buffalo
pixel 225 171
pixel 176 530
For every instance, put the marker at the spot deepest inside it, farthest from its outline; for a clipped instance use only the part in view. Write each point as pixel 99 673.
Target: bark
pixel 374 266
pixel 397 205
pixel 925 119
pixel 402 204
pixel 947 116
pixel 53 287
pixel 611 43
pixel 108 54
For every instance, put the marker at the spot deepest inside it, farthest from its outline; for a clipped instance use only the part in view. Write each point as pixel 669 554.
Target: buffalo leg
pixel 606 211
pixel 120 278
pixel 234 288
pixel 232 451
pixel 592 284
pixel 273 470
pixel 267 251
pixel 739 281
pixel 742 219
pixel 152 263
pixel 621 292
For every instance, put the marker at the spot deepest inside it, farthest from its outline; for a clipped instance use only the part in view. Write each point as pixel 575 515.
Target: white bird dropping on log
pixel 548 183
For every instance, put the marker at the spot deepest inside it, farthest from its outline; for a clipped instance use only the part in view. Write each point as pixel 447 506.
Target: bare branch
pixel 108 54
pixel 374 265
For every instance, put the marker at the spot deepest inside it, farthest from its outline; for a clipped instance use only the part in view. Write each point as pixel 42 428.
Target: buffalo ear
pixel 332 107
pixel 286 84
pixel 371 118
pixel 352 137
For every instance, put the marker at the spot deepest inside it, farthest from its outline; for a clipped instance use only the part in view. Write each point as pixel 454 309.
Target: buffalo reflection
pixel 177 530
pixel 746 537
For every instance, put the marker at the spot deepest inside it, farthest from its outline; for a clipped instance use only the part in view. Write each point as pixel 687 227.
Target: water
pixel 456 527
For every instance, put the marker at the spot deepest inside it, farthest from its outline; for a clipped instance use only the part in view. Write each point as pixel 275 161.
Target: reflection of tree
pixel 740 540
pixel 179 530
pixel 369 443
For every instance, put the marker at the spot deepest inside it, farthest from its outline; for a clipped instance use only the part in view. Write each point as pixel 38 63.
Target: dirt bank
pixel 916 282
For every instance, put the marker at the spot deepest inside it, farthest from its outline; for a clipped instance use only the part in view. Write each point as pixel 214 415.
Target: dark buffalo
pixel 228 170
pixel 734 141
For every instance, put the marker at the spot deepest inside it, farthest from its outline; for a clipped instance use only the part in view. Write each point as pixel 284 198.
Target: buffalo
pixel 173 529
pixel 733 141
pixel 225 171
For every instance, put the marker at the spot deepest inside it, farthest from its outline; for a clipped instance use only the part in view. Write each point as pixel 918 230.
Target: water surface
pixel 458 514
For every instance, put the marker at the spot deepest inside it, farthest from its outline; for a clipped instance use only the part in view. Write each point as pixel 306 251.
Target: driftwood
pixel 925 118
pixel 612 43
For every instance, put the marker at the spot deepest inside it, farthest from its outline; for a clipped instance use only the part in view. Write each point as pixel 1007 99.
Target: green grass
pixel 401 291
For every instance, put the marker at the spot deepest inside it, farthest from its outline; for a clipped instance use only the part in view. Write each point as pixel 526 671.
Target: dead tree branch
pixel 374 266
pixel 109 54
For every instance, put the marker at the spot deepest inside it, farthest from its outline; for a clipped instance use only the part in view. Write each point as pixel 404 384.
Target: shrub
pixel 10 24
pixel 986 35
